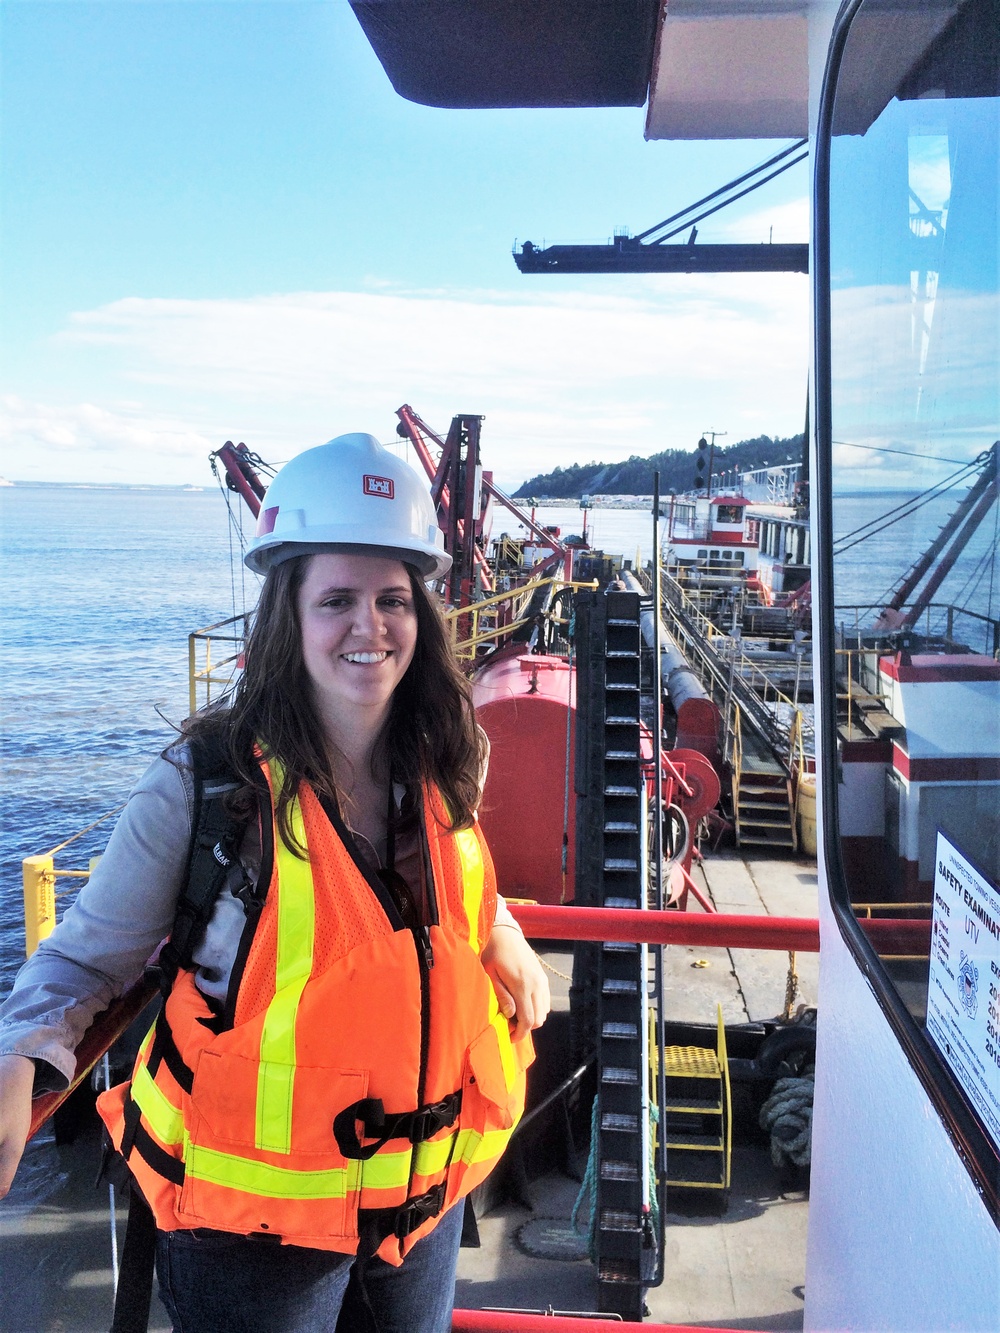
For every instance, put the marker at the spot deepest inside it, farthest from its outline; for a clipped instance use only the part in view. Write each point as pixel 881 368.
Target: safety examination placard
pixel 963 993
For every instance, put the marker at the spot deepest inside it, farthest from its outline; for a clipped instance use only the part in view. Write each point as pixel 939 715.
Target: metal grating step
pixel 693 1142
pixel 616 789
pixel 612 987
pixel 616 1170
pixel 614 1219
pixel 621 1031
pixel 621 721
pixel 621 864
pixel 616 1122
pixel 619 902
pixel 619 1074
pixel 621 826
pixel 611 1272
pixel 690 1062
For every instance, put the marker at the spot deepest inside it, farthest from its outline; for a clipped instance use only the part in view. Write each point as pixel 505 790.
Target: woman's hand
pixel 17 1077
pixel 521 986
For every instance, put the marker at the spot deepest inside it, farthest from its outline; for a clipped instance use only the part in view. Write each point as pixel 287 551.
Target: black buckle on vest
pixel 417 1126
pixel 416 1211
pixel 428 1120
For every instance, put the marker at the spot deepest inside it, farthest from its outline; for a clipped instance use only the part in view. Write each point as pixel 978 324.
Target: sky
pixel 219 221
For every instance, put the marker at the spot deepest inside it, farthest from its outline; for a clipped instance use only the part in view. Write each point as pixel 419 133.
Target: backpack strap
pixel 135 1278
pixel 216 835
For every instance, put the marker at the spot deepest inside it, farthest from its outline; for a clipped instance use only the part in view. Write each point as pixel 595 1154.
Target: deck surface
pixel 745 1270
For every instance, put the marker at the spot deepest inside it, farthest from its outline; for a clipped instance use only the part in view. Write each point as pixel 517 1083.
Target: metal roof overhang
pixel 514 53
pixel 731 69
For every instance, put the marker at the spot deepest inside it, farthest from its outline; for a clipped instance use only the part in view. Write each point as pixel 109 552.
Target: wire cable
pixel 903 510
pixel 792 148
pixel 906 453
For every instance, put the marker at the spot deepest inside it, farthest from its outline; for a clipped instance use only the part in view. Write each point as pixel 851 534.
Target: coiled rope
pixel 787 1117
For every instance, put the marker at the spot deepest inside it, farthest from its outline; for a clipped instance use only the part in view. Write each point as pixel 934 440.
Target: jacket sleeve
pixel 102 943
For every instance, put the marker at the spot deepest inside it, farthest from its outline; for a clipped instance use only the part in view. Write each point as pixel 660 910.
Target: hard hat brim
pixel 432 564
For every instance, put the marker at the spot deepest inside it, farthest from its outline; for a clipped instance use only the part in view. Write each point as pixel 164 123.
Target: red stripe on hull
pixel 953 769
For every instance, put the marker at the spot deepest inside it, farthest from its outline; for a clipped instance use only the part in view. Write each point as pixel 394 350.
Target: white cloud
pixel 41 442
pixel 786 223
pixel 561 376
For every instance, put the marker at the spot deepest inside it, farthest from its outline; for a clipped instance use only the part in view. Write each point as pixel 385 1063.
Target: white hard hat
pixel 353 495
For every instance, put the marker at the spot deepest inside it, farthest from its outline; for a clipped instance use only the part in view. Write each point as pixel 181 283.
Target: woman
pixel 332 1071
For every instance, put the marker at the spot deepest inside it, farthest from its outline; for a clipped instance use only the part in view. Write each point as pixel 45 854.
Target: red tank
pixel 523 704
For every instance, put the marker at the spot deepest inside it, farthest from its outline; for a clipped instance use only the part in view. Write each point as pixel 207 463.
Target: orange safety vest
pixel 368 1078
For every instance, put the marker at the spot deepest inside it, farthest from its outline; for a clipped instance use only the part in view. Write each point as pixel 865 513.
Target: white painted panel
pixel 898 1237
pixel 725 76
pixel 943 718
pixel 862 801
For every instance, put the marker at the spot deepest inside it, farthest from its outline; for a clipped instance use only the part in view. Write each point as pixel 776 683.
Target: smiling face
pixel 359 633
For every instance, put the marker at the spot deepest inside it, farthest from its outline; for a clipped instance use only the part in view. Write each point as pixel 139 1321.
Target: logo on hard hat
pixel 379 486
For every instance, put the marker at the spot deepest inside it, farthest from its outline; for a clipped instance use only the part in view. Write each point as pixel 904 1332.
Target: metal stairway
pixel 614 865
pixel 763 795
pixel 698 1116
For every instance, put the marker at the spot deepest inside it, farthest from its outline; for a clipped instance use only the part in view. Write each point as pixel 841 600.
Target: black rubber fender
pixel 793 1046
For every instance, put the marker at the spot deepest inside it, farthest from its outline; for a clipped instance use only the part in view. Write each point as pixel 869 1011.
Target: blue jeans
pixel 211 1282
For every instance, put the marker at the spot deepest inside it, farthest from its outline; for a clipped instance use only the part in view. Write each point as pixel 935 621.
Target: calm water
pixel 100 589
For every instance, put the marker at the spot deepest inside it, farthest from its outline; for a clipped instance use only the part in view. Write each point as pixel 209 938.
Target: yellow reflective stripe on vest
pixel 164 1119
pixel 473 880
pixel 384 1171
pixel 295 931
pixel 272 1182
pixel 507 1060
pixel 469 1146
pixel 389 1170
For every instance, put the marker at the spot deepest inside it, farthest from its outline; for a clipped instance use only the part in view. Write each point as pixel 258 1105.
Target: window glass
pixel 915 417
pixel 730 514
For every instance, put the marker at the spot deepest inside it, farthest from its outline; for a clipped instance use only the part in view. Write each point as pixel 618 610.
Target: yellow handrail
pixel 38 878
pixel 206 675
pixel 487 609
pixel 737 767
pixel 854 694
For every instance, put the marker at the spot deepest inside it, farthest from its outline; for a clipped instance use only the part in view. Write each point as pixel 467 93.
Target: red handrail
pixel 507 1321
pixel 106 1028
pixel 637 927
pixel 783 933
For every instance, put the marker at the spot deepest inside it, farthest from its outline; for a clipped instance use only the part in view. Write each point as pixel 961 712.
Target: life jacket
pixel 365 1079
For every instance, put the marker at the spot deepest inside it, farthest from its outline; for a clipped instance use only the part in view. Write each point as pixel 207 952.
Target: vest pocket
pixel 261 1154
pixel 488 1084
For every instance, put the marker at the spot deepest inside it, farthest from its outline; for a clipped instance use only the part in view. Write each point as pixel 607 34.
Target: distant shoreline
pixel 542 502
pixel 107 485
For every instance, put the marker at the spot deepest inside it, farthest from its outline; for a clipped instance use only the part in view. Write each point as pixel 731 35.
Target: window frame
pixel 974 1147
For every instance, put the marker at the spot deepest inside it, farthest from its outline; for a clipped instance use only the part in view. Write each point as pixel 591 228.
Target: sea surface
pixel 100 588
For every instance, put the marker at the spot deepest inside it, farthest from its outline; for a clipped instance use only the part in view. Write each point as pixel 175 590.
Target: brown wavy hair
pixel 430 735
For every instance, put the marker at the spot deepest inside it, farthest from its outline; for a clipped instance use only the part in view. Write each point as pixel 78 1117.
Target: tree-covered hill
pixel 676 467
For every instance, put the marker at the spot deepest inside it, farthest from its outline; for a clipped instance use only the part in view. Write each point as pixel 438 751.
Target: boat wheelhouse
pixel 717 535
